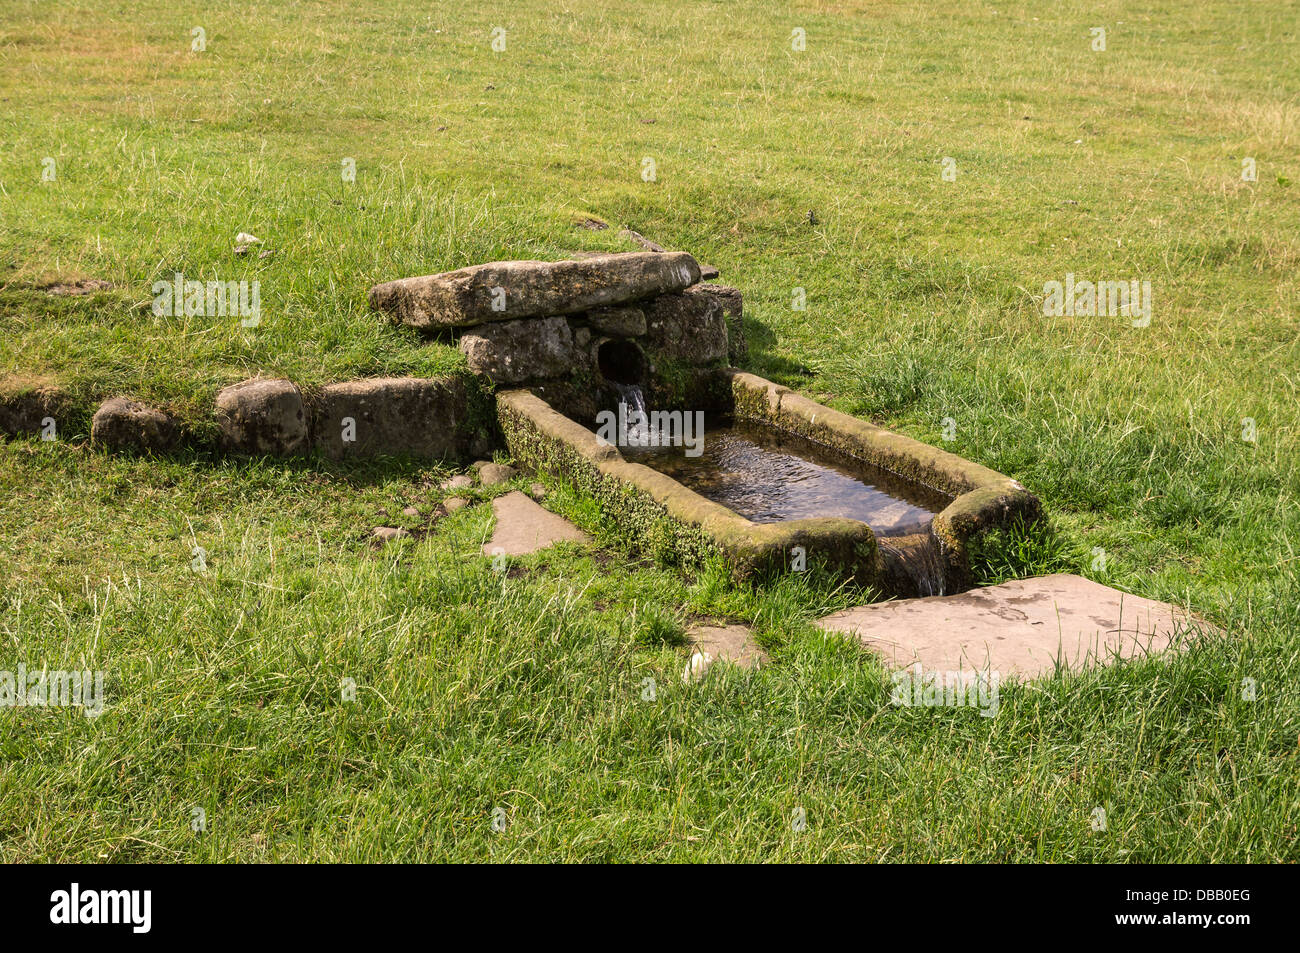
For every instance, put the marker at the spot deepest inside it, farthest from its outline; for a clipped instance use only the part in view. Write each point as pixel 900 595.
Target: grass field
pixel 524 691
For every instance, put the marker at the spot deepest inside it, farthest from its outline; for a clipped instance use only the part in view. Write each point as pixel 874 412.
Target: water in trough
pixel 768 476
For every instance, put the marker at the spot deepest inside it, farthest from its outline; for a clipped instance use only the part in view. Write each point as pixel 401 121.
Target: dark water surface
pixel 768 476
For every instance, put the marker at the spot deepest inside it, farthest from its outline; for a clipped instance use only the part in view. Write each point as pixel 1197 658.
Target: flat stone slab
pixel 725 643
pixel 524 527
pixel 508 290
pixel 1019 627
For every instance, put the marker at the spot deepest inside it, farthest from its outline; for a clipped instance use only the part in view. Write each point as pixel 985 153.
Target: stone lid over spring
pixel 507 290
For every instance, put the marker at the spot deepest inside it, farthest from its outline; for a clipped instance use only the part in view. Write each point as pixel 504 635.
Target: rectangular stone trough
pixel 669 520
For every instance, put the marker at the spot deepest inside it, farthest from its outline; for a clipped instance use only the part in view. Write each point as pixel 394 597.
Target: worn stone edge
pixel 664 518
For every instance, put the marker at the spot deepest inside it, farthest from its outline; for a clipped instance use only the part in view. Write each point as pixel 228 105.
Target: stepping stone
pixel 721 643
pixel 524 527
pixel 1019 627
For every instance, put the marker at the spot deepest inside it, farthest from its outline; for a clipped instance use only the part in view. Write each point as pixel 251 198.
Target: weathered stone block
pixel 124 424
pixel 625 322
pixel 687 327
pixel 262 416
pixel 523 350
pixel 509 290
pixel 415 416
pixel 733 307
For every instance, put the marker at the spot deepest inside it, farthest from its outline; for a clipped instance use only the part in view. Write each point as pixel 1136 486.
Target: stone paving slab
pixel 1018 627
pixel 523 527
pixel 721 643
pixel 727 643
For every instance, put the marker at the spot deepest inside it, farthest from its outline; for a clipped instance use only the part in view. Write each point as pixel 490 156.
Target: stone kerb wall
pixel 571 330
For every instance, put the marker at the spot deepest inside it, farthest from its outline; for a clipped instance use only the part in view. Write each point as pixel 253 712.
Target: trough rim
pixel 982 497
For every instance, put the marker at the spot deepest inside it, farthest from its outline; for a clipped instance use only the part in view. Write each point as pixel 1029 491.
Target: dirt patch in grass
pixel 84 286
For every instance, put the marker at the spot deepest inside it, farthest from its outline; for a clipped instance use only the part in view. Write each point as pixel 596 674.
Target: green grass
pixel 477 691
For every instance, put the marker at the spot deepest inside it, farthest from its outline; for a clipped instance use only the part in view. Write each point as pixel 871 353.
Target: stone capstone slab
pixel 517 351
pixel 415 416
pixel 124 424
pixel 509 290
pixel 1021 627
pixel 689 327
pixel 262 416
pixel 524 527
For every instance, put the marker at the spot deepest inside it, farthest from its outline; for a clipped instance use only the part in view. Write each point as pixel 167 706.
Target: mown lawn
pixel 478 690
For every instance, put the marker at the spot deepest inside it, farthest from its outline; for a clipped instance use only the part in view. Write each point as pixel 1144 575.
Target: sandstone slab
pixel 1021 627
pixel 524 527
pixel 262 416
pixel 509 290
pixel 415 416
pixel 124 424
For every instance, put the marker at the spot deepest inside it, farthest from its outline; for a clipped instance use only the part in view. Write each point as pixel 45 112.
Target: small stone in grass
pixel 453 503
pixel 537 491
pixel 494 474
pixel 697 667
pixel 460 481
pixel 386 534
pixel 410 511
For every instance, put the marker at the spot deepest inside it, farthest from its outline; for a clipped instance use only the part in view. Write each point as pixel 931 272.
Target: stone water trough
pixel 723 462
